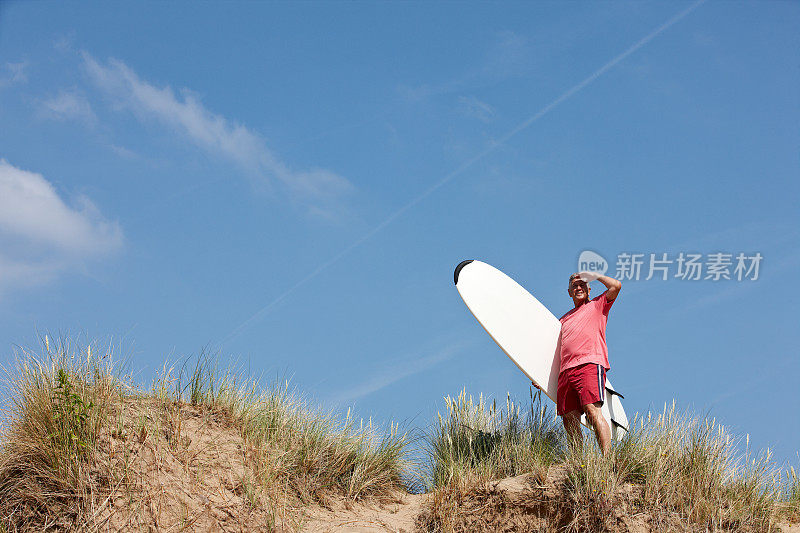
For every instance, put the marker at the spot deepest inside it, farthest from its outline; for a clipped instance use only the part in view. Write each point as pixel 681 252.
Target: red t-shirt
pixel 583 334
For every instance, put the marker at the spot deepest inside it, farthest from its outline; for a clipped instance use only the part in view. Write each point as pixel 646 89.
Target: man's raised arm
pixel 613 285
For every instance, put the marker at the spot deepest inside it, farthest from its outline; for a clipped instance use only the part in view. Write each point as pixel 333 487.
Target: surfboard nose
pixel 461 265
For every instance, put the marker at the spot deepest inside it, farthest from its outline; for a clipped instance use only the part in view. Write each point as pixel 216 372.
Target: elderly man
pixel 584 357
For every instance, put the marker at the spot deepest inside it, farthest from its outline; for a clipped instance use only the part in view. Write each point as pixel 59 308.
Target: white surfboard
pixel 525 330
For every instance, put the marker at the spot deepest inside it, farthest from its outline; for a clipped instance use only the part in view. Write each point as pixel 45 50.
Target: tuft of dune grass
pixel 680 471
pixel 474 439
pixel 60 466
pixel 57 406
pixel 474 442
pixel 792 492
pixel 295 445
pixel 690 468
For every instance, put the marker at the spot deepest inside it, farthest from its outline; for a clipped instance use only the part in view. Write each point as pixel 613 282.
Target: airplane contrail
pixel 464 166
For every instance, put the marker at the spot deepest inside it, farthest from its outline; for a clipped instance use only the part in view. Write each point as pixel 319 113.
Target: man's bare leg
pixel 602 431
pixel 572 424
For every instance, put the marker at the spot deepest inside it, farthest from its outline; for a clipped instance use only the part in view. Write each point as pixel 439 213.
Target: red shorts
pixel 579 386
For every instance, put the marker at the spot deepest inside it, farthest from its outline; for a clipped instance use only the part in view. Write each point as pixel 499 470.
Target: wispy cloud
pixel 41 235
pixel 474 108
pixel 13 73
pixel 508 55
pixel 123 152
pixel 68 105
pixel 405 367
pixel 318 189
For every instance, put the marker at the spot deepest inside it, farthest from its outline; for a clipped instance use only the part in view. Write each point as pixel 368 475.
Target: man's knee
pixel 593 412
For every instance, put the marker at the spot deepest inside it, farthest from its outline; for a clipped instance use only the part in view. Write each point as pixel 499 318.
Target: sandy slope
pixel 512 504
pixel 194 478
pixel 398 516
pixel 198 477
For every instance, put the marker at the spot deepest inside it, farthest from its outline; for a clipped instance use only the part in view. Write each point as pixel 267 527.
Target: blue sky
pixel 293 184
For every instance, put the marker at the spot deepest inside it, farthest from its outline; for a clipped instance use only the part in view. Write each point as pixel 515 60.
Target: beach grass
pixel 682 471
pixel 58 402
pixel 82 447
pixel 61 461
pixel 473 442
pixel 480 440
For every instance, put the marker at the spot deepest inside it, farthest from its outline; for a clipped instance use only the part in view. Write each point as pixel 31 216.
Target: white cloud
pixel 68 106
pixel 316 188
pixel 24 274
pixel 40 235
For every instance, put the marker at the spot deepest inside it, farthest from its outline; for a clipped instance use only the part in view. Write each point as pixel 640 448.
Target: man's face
pixel 578 289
